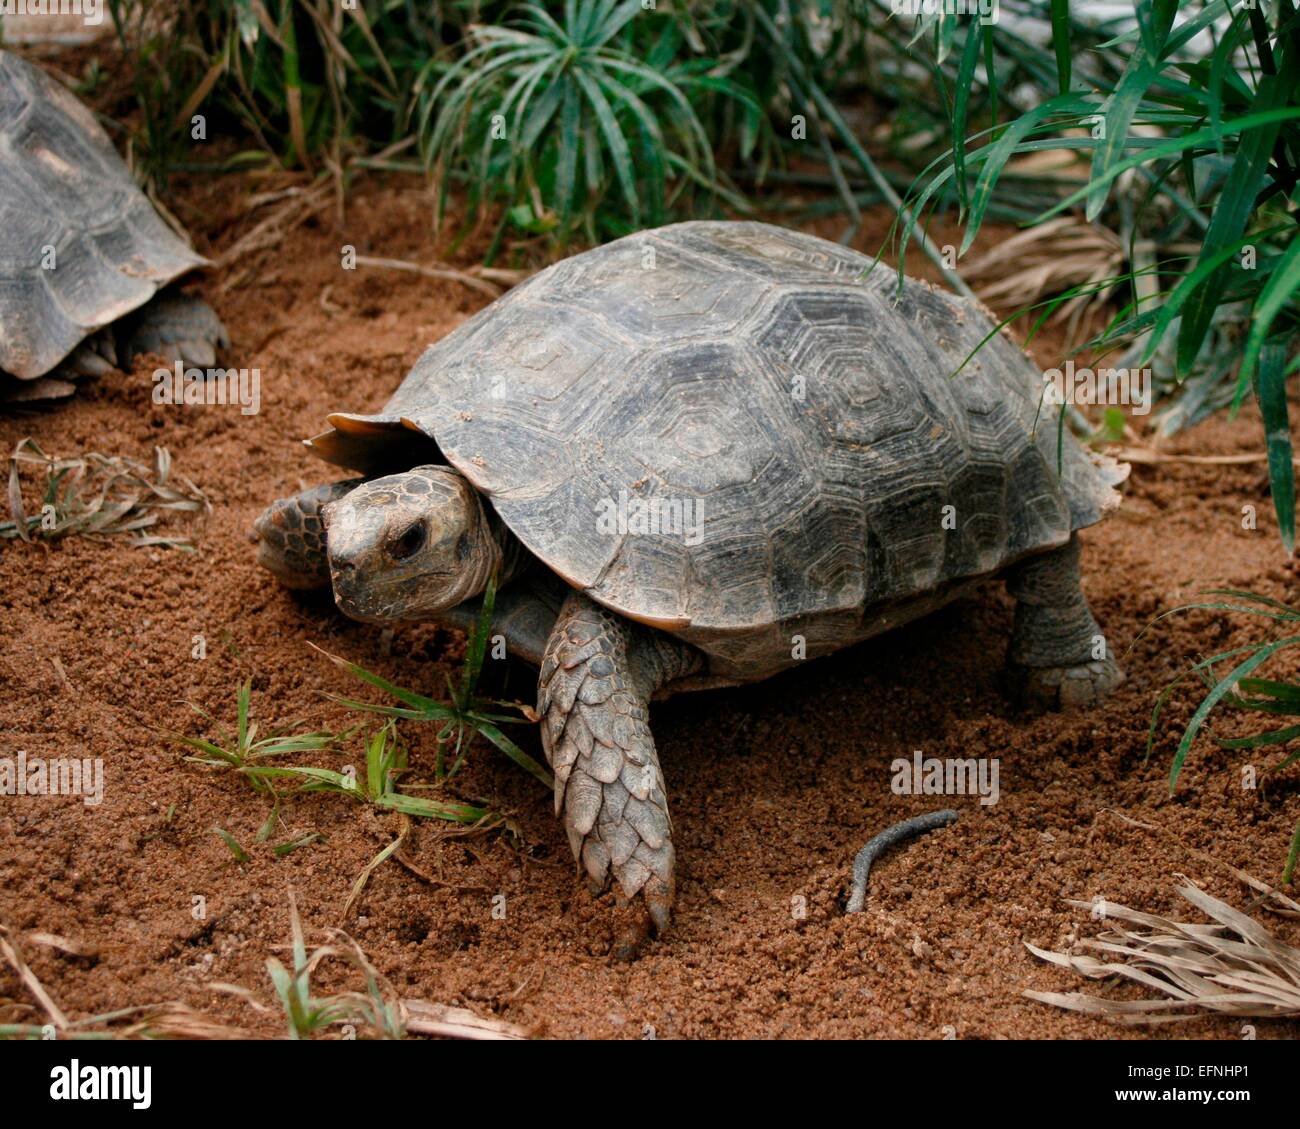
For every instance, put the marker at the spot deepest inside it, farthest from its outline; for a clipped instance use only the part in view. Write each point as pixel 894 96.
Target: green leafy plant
pixel 386 756
pixel 386 761
pixel 250 756
pixel 1240 689
pixel 303 80
pixel 244 752
pixel 378 1008
pixel 587 117
pixel 1196 154
pixel 554 113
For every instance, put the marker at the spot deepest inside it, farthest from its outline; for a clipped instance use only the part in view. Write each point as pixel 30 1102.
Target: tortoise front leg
pixel 597 677
pixel 1054 658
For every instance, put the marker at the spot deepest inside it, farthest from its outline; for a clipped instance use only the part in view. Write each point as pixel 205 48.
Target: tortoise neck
pixel 513 557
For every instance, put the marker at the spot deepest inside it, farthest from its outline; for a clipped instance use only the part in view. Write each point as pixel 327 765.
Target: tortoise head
pixel 409 546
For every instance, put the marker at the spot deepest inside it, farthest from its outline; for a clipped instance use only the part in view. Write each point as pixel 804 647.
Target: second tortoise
pixel 88 268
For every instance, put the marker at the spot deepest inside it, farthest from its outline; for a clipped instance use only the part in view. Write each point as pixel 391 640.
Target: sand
pixel 773 787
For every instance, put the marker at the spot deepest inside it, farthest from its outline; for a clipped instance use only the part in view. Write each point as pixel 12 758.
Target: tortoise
pixel 792 421
pixel 85 260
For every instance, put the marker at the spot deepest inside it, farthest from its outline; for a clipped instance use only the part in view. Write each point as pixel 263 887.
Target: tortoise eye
pixel 410 541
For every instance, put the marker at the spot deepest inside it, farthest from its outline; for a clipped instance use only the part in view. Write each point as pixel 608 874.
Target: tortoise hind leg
pixel 594 690
pixel 1059 657
pixel 176 326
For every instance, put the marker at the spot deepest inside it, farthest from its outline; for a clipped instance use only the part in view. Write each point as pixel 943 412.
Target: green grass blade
pixel 281 850
pixel 1282 288
pixel 1000 152
pixel 1267 601
pixel 1236 203
pixel 412 699
pixel 432 809
pixel 1120 109
pixel 376 774
pixel 567 163
pixel 1207 265
pixel 1200 138
pixel 1259 740
pixel 245 693
pixel 961 109
pixel 232 844
pixel 1283 691
pixel 1060 16
pixel 317 778
pixel 1261 655
pixel 1270 391
pixel 614 141
pixel 435 712
pixel 513 751
pixel 476 646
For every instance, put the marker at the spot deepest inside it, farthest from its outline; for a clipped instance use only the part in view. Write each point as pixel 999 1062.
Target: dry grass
pixel 1230 965
pixel 378 1011
pixel 96 495
pixel 169 1020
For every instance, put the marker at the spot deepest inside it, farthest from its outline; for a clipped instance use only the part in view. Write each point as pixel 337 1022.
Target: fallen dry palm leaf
pixel 98 495
pixel 1230 966
pixel 1274 901
pixel 424 1018
pixel 1049 259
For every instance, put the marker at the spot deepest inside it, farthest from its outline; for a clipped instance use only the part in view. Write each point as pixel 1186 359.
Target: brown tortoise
pixel 696 456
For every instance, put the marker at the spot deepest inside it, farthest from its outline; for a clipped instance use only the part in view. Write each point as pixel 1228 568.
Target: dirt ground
pixel 773 787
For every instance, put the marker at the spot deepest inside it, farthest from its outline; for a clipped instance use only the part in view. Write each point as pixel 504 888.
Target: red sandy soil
pixel 774 787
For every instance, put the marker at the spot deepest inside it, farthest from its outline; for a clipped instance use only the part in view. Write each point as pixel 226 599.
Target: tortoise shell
pixel 80 244
pixel 771 384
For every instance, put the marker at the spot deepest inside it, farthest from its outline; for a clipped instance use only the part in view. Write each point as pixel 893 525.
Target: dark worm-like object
pixel 887 838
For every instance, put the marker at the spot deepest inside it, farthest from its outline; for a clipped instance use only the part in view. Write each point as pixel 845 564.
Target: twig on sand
pixel 1152 457
pixel 907 829
pixel 11 956
pixel 425 876
pixel 446 273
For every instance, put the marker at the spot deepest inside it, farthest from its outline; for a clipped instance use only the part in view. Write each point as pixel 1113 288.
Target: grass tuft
pixel 100 496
